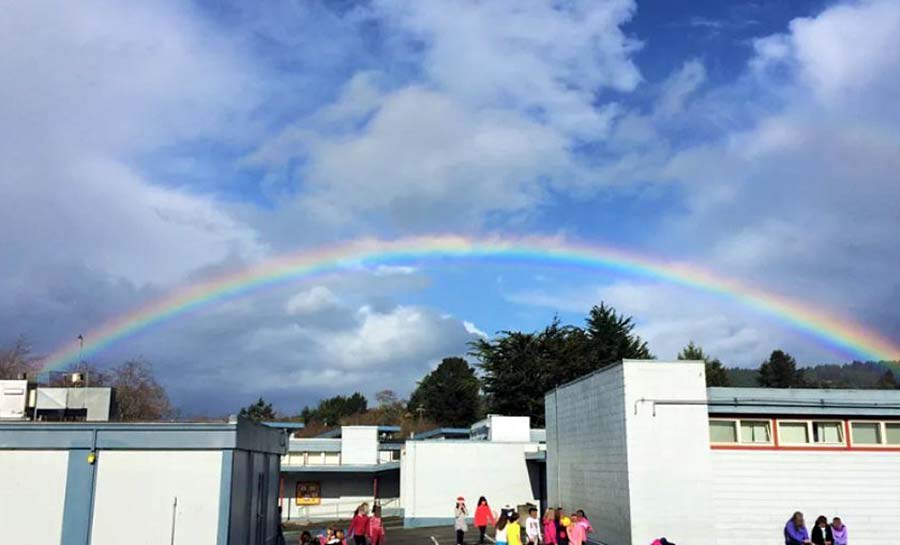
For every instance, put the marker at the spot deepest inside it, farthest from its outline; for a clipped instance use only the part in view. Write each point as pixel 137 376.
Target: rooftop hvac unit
pixel 13 399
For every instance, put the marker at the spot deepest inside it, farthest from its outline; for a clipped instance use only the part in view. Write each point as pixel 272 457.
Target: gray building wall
pixel 587 462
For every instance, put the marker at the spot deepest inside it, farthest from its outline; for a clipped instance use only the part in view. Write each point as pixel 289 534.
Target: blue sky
pixel 149 147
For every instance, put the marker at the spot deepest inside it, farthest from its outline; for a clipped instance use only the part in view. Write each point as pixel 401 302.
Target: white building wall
pixel 586 452
pixel 136 490
pixel 359 445
pixel 434 473
pixel 670 483
pixel 755 493
pixel 509 428
pixel 33 498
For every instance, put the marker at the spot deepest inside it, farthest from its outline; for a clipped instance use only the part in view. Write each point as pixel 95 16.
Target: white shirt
pixel 533 528
pixel 500 535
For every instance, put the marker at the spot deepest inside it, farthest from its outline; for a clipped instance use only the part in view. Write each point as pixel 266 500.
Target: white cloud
pixel 310 301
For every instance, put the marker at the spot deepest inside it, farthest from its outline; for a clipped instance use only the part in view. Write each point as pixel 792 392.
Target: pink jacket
pixel 375 531
pixel 577 533
pixel 550 532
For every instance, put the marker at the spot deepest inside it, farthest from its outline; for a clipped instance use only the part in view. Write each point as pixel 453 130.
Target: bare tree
pixel 17 359
pixel 138 395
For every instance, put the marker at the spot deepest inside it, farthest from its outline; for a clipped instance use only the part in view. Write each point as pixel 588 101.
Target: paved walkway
pixel 443 535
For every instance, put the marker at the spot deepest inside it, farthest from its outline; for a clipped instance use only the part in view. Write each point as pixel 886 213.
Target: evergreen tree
pixel 449 395
pixel 519 368
pixel 780 371
pixel 259 411
pixel 887 381
pixel 716 374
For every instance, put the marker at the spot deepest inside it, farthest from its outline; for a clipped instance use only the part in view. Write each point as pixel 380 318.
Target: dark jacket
pixel 820 535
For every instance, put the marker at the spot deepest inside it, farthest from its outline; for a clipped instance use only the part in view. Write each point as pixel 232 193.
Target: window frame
pixel 842 431
pixel 736 422
pixel 884 425
pixel 809 433
pixel 882 438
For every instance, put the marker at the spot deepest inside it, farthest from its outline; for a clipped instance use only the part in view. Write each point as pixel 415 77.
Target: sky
pixel 148 146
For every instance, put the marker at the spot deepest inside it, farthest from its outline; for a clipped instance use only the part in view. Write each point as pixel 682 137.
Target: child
pixel 576 530
pixel 339 536
pixel 550 526
pixel 500 536
pixel 795 531
pixel 583 520
pixel 533 527
pixel 483 518
pixel 839 531
pixel 331 537
pixel 359 526
pixel 513 530
pixel 376 528
pixel 305 538
pixel 821 532
pixel 459 524
pixel 561 521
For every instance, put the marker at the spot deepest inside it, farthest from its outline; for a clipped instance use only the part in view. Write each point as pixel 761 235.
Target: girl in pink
pixel 359 526
pixel 550 526
pixel 576 531
pixel 376 528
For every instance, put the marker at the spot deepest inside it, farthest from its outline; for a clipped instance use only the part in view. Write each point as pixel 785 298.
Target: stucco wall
pixel 670 482
pixel 434 473
pixel 341 493
pixel 137 489
pixel 757 491
pixel 32 495
pixel 359 445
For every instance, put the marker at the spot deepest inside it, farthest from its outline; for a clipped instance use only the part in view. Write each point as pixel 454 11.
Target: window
pixel 829 433
pixel 755 431
pixel 866 433
pixel 892 433
pixel 722 431
pixel 793 433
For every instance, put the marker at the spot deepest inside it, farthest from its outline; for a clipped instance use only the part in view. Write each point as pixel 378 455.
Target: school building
pixel 417 477
pixel 111 483
pixel 649 451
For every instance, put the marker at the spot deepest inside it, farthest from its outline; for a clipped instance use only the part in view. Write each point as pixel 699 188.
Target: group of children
pixel 822 533
pixel 555 529
pixel 364 530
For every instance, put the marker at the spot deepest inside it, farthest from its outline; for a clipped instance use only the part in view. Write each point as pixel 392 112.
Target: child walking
pixel 500 535
pixel 460 524
pixel 376 527
pixel 514 530
pixel 533 527
pixel 483 518
pixel 550 526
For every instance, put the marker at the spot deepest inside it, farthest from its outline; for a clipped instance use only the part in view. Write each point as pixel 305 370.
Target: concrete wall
pixel 670 483
pixel 30 515
pixel 434 473
pixel 359 445
pixel 755 492
pixel 137 490
pixel 587 465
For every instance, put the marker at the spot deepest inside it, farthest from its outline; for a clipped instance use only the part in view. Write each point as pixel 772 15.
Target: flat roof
pixel 314 444
pixel 240 435
pixel 336 433
pixel 443 432
pixel 803 401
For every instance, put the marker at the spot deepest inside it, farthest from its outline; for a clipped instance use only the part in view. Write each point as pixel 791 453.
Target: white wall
pixel 670 483
pixel 756 492
pixel 32 496
pixel 136 489
pixel 359 445
pixel 434 473
pixel 586 458
pixel 510 428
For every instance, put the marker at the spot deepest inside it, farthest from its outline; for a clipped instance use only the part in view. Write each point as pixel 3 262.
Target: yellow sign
pixel 308 493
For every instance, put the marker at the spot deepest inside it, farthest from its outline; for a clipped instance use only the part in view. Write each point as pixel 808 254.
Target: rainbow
pixel 838 332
